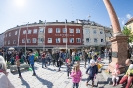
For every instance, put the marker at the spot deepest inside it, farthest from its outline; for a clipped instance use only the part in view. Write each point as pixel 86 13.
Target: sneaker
pixel 20 77
pixel 116 84
pixel 113 84
pixel 34 75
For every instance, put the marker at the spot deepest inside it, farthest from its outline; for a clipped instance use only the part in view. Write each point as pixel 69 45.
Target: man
pixel 125 77
pixel 31 59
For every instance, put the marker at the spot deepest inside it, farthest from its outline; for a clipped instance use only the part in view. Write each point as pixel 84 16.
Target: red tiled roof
pixel 129 21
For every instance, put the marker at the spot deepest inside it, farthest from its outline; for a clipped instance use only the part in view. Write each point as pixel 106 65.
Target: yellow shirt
pixel 129 72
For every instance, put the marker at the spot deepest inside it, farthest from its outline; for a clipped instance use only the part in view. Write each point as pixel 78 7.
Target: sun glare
pixel 20 3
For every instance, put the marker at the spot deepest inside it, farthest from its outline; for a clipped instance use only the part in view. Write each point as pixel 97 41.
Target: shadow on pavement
pixel 25 83
pixel 45 82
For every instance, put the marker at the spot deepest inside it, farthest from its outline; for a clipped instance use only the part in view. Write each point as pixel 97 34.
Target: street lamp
pixel 66 33
pixel 44 27
pixel 26 38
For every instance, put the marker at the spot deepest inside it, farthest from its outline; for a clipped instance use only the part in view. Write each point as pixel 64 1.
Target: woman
pixel 4 81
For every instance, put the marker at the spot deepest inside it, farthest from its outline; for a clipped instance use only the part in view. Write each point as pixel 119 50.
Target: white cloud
pixel 128 16
pixel 123 22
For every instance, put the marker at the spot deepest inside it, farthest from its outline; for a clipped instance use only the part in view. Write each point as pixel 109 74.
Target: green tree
pixel 128 33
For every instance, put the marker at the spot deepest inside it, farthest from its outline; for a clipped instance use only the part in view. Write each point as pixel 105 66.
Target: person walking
pixel 18 65
pixel 44 62
pixel 31 59
pixel 76 75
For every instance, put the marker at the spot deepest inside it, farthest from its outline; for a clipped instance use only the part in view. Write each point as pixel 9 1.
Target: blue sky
pixel 13 13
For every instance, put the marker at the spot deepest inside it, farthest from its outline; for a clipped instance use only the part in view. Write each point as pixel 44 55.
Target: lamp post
pixel 44 27
pixel 26 38
pixel 66 34
pixel 19 36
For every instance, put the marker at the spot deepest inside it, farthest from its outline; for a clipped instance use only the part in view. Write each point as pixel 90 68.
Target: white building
pixel 1 40
pixel 94 35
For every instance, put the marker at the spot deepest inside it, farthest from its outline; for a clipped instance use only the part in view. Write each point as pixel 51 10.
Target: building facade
pixel 52 35
pixel 129 25
pixel 1 40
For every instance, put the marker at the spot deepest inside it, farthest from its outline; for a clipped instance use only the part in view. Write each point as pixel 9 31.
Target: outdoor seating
pixel 14 67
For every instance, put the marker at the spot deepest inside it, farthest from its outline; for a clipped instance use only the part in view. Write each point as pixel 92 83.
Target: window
pixel 50 30
pixel 14 41
pixel 102 40
pixel 94 31
pixel 77 30
pixel 64 40
pixel 57 30
pixel 28 40
pixel 29 31
pixel 87 40
pixel 5 42
pixel 16 32
pixel 23 40
pixel 6 35
pixel 9 34
pixel 57 40
pixel 87 31
pixel 41 30
pixel 35 31
pixel 64 30
pixel 8 42
pixel 95 40
pixel 71 30
pixel 49 40
pixel 130 27
pixel 24 31
pixel 33 40
pixel 78 40
pixel 71 40
pixel 40 40
pixel 101 32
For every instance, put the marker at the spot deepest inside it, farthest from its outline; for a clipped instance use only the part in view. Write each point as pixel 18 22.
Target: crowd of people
pixel 72 62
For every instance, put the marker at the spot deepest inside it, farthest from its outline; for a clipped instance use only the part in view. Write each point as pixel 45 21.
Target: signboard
pixel 114 54
pixel 63 35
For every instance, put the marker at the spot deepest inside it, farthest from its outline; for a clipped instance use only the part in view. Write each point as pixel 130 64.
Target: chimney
pixel 56 20
pixel 66 20
pixel 77 20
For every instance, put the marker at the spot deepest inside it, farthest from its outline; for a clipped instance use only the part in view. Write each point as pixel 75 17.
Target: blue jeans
pixel 32 66
pixel 44 62
pixel 75 85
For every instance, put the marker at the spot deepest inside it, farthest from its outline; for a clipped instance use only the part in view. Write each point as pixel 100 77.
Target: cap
pixel 131 66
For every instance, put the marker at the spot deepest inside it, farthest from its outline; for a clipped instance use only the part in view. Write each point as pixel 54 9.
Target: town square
pixel 66 44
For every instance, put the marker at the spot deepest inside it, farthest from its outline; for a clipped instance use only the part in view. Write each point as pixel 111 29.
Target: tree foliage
pixel 126 31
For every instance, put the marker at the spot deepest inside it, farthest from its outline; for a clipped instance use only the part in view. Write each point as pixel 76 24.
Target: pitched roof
pixel 129 21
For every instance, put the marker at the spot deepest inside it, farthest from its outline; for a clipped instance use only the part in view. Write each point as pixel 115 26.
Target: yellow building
pixel 129 24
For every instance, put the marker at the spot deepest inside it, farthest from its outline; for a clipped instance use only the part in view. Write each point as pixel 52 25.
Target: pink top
pixel 17 57
pixel 116 72
pixel 76 76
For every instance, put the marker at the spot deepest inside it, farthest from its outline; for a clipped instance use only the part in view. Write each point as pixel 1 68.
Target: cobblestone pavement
pixel 50 78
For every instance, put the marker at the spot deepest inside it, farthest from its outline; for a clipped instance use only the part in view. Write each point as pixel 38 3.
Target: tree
pixel 128 33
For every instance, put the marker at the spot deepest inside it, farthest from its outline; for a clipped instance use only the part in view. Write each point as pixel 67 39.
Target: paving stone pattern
pixel 51 78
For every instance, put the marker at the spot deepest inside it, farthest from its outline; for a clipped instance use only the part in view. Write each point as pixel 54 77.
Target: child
pixel 93 70
pixel 115 74
pixel 68 67
pixel 76 75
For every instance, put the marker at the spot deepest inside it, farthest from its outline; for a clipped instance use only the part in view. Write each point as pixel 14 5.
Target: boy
pixel 93 70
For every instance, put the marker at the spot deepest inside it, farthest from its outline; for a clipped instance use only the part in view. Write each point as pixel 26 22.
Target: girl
pixel 68 67
pixel 76 75
pixel 115 74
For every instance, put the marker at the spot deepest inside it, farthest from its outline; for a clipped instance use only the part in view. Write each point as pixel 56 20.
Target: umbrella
pixel 11 48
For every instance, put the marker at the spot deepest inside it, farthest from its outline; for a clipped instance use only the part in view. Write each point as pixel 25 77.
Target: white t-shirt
pixel 4 81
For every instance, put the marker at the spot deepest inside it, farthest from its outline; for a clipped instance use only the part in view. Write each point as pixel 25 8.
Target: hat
pixel 92 62
pixel 131 66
